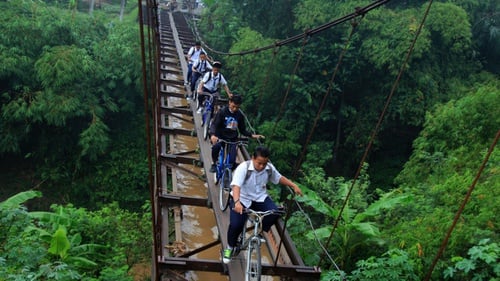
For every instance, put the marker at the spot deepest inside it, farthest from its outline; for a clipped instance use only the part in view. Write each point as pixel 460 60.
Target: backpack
pixel 249 172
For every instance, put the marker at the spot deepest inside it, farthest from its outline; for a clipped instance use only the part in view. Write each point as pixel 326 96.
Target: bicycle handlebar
pixel 210 95
pixel 280 211
pixel 238 141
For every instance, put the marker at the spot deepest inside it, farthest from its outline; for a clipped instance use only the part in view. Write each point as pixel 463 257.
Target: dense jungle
pixel 73 151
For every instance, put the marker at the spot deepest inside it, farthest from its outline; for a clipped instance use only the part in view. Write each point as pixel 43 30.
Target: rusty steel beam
pixel 177 200
pixel 185 264
pixel 182 119
pixel 200 249
pixel 178 109
pixel 186 152
pixel 173 82
pixel 174 165
pixel 294 271
pixel 180 159
pixel 178 131
pixel 172 94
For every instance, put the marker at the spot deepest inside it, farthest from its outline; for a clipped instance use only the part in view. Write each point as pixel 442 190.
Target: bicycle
pixel 224 171
pixel 194 94
pixel 253 268
pixel 207 109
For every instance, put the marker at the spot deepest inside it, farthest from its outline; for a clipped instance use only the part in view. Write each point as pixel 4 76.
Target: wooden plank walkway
pixel 172 161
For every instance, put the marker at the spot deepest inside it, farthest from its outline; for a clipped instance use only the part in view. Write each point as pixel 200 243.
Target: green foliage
pixel 454 135
pixel 19 198
pixel 60 243
pixel 94 140
pixel 482 263
pixel 312 13
pixel 445 161
pixel 63 66
pixel 220 24
pixel 121 174
pixel 68 93
pixel 67 244
pixel 283 146
pixel 393 265
pixel 358 228
pixel 247 39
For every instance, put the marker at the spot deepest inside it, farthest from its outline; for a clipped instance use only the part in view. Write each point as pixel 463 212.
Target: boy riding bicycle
pixel 249 191
pixel 211 82
pixel 228 123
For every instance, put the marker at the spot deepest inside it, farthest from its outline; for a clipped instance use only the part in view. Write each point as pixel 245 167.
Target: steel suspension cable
pixel 325 97
pixel 379 123
pixel 290 83
pixel 325 251
pixel 462 207
pixel 360 11
pixel 282 233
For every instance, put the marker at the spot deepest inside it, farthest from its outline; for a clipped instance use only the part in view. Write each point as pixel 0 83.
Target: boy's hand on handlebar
pixel 258 137
pixel 214 139
pixel 238 208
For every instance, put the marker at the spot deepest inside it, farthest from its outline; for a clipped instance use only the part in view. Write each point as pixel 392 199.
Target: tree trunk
pixel 91 7
pixel 122 9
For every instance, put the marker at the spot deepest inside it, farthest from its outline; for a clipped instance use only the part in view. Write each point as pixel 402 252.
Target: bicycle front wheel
pixel 206 125
pixel 253 268
pixel 225 189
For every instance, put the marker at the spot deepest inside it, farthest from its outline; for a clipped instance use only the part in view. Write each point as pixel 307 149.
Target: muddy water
pixel 198 224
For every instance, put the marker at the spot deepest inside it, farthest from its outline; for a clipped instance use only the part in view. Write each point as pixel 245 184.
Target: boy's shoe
pixel 199 110
pixel 212 168
pixel 226 257
pixel 189 97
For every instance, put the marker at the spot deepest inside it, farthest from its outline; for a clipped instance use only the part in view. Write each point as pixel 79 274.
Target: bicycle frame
pixel 223 173
pixel 252 244
pixel 196 84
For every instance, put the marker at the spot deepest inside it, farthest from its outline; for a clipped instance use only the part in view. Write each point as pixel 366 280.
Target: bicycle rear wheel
pixel 206 125
pixel 254 267
pixel 195 93
pixel 225 189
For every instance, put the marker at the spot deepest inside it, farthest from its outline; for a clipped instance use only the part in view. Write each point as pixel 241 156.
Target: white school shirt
pixel 202 66
pixel 214 82
pixel 195 54
pixel 254 189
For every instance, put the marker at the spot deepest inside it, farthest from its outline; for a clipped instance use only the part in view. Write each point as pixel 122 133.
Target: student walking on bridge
pixel 228 123
pixel 249 191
